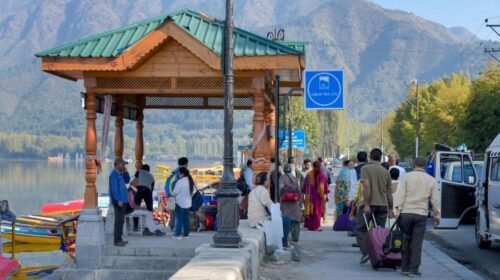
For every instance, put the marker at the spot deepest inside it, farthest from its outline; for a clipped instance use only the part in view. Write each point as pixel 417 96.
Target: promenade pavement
pixel 329 255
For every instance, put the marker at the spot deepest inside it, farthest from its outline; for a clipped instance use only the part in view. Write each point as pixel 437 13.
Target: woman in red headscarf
pixel 315 194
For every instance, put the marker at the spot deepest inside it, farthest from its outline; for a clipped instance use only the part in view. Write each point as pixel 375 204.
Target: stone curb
pixel 227 264
pixel 450 263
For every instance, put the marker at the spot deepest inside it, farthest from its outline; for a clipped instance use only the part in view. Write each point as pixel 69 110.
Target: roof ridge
pixel 97 45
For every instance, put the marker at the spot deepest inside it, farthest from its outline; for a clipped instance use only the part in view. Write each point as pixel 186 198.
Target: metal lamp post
pixel 417 124
pixel 228 209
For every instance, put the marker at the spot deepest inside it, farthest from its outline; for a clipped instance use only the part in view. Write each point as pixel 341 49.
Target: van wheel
pixel 480 241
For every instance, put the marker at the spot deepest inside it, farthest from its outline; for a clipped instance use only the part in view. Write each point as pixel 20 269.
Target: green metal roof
pixel 207 30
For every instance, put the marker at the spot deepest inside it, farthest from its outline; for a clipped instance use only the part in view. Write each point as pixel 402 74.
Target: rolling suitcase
pixel 375 247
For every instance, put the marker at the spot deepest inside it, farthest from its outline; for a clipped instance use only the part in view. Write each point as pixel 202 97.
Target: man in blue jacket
pixel 118 196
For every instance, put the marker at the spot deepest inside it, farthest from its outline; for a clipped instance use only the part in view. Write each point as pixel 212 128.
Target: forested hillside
pixel 378 49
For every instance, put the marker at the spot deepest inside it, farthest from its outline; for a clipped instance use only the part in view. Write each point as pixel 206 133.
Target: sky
pixel 466 13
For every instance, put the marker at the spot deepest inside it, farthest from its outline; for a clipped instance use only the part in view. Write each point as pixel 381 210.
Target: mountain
pixel 378 49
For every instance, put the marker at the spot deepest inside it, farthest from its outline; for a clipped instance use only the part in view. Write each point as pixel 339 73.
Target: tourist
pixel 394 163
pixel 343 187
pixel 118 179
pixel 362 158
pixel 325 171
pixel 316 192
pixel 377 199
pixel 259 201
pixel 290 206
pixel 248 175
pixel 271 178
pixel 394 180
pixel 412 199
pixel 144 182
pixel 151 228
pixel 170 186
pixel 306 167
pixel 182 192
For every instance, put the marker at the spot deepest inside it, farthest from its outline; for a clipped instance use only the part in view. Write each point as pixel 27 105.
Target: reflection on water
pixel 27 185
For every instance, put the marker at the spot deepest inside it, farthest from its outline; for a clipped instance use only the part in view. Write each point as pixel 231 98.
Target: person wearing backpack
pixel 169 188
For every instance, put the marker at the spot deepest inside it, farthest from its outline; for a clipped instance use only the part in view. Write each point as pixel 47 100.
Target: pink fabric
pixel 313 221
pixel 131 201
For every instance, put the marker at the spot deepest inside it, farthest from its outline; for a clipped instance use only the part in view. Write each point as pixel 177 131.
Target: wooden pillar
pixel 90 194
pixel 139 139
pixel 118 142
pixel 260 143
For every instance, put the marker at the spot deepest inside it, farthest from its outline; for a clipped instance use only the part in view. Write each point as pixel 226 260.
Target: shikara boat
pixel 69 207
pixel 30 247
pixel 8 267
pixel 31 234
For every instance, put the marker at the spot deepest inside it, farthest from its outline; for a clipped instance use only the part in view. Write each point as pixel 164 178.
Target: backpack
pixel 242 185
pixel 170 183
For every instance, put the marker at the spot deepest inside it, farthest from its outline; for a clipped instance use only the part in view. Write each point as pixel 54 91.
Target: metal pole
pixel 290 148
pixel 228 208
pixel 417 127
pixel 277 142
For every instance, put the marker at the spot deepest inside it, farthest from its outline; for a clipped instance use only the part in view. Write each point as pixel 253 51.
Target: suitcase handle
pixel 366 221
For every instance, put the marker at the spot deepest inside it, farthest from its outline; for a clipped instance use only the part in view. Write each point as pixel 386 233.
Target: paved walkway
pixel 329 255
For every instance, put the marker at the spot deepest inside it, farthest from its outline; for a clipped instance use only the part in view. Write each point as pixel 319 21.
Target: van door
pixel 494 194
pixel 456 177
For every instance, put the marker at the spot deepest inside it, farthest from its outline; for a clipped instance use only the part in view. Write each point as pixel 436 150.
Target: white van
pixel 488 198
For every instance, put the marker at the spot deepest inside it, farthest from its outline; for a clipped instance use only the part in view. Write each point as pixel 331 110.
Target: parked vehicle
pixel 487 228
pixel 457 178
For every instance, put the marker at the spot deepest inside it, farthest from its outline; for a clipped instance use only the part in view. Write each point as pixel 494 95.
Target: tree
pixel 482 118
pixel 306 120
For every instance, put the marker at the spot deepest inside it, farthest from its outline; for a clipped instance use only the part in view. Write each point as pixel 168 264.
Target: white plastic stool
pixel 129 223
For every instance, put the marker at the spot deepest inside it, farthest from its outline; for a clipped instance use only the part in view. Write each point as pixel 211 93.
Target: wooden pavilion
pixel 173 62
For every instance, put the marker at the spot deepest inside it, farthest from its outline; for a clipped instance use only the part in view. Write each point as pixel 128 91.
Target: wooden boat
pixel 31 234
pixel 34 272
pixel 8 267
pixel 70 207
pixel 30 247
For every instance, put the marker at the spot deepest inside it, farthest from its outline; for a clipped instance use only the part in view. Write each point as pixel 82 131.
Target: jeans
pixel 286 230
pixel 146 194
pixel 181 221
pixel 413 225
pixel 119 221
pixel 380 214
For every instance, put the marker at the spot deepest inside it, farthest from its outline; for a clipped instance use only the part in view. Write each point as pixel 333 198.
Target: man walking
pixel 118 179
pixel 362 158
pixel 377 199
pixel 412 201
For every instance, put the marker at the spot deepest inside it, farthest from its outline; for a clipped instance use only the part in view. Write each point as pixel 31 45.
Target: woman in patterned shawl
pixel 342 187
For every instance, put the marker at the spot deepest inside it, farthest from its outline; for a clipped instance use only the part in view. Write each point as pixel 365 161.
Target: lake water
pixel 27 185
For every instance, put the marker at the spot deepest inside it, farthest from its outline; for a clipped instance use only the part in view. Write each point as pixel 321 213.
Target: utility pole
pixel 381 130
pixel 417 124
pixel 228 208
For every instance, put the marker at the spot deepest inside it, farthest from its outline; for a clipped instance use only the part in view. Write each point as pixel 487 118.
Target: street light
pixel 228 208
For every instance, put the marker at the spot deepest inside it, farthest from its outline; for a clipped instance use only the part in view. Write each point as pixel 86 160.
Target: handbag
pixel 288 194
pixel 343 221
pixel 196 201
pixel 395 241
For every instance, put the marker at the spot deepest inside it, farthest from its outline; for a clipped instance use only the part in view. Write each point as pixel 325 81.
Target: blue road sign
pixel 324 89
pixel 298 139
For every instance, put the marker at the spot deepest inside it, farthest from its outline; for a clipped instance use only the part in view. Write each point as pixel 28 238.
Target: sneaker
pixel 414 274
pixel 177 237
pixel 364 259
pixel 185 236
pixel 121 243
pixel 405 273
pixel 159 233
pixel 146 232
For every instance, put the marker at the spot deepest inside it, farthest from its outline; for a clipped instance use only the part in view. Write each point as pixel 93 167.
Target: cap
pixel 120 161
